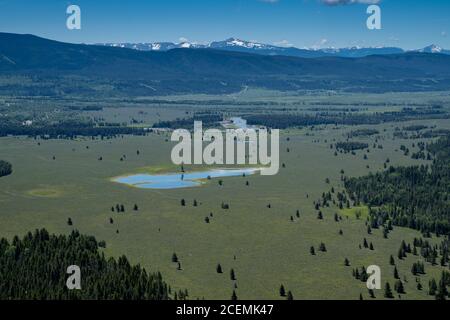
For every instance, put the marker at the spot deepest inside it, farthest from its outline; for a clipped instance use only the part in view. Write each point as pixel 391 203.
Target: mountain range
pixel 56 68
pixel 234 44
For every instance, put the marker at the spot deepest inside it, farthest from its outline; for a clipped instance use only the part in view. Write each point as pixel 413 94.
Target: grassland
pixel 57 179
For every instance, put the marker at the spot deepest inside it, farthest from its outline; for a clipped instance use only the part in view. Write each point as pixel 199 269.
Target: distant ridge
pixel 57 67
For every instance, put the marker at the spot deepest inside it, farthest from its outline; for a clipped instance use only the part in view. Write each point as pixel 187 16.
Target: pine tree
pixel 442 291
pixel 399 286
pixel 232 275
pixel 282 291
pixel 290 296
pixel 174 257
pixel 234 296
pixel 346 262
pixel 396 276
pixel 312 251
pixel 219 268
pixel 387 291
pixel 322 247
pixel 392 261
pixel 432 287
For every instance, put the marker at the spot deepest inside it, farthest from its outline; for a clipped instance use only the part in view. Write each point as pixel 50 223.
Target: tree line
pixel 416 197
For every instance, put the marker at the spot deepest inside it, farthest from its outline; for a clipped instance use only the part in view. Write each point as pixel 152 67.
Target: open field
pixel 57 179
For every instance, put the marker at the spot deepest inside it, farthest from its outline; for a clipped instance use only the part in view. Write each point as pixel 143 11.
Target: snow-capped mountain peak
pixel 235 44
pixel 432 49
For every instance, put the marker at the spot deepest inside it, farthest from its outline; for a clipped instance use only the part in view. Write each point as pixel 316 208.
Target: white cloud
pixel 320 44
pixel 283 43
pixel 183 39
pixel 341 2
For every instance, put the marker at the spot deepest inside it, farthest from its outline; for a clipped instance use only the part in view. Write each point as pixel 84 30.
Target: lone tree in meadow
pixel 219 268
pixel 69 222
pixel 282 291
pixel 183 202
pixel 174 257
pixel 322 247
pixel 392 261
pixel 234 296
pixel 289 296
pixel 346 262
pixel 232 275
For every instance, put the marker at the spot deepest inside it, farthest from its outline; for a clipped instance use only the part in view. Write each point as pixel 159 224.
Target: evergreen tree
pixel 322 247
pixel 392 261
pixel 387 291
pixel 232 275
pixel 290 296
pixel 399 286
pixel 282 291
pixel 432 287
pixel 396 276
pixel 442 291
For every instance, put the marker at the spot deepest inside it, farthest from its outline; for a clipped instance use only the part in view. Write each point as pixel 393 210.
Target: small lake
pixel 178 180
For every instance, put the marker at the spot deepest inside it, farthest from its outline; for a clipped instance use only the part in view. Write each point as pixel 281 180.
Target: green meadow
pixel 54 180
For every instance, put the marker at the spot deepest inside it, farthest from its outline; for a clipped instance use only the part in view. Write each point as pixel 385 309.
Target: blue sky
pixel 303 23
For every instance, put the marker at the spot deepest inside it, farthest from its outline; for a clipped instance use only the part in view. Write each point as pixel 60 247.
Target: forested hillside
pixel 417 197
pixel 53 68
pixel 35 268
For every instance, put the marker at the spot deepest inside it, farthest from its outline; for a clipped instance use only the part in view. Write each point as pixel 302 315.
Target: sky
pixel 409 24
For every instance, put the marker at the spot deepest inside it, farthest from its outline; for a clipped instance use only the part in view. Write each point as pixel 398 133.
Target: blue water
pixel 174 181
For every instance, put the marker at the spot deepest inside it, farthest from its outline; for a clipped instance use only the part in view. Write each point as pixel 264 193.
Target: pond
pixel 178 180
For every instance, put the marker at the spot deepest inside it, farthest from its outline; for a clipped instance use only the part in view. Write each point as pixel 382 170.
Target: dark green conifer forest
pixel 35 267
